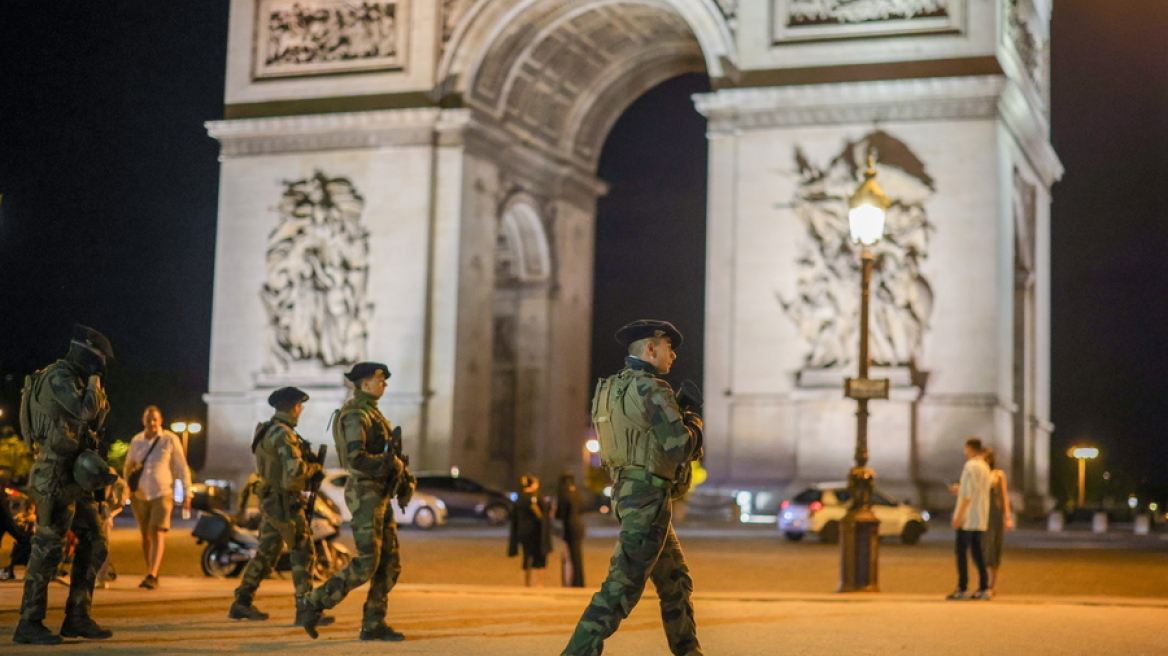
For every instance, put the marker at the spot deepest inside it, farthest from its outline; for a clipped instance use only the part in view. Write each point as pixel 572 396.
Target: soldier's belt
pixel 645 477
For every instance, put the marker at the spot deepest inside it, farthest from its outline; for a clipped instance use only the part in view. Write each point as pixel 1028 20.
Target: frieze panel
pixel 815 20
pixel 316 289
pixel 320 37
pixel 825 306
pixel 1022 34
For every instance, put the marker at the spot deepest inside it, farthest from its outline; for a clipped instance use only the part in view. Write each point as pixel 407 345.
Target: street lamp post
pixel 187 430
pixel 859 535
pixel 1083 454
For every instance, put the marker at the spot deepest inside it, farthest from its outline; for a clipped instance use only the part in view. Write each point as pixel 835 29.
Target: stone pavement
pixel 189 616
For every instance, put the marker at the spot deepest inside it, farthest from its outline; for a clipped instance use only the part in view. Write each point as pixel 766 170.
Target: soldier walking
pixel 63 405
pixel 286 468
pixel 647 443
pixel 377 473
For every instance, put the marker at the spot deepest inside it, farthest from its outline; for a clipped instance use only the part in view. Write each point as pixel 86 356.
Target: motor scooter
pixel 230 545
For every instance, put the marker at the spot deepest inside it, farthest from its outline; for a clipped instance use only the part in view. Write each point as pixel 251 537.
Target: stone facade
pixel 470 132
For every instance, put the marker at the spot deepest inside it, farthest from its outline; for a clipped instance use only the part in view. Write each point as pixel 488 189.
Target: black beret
pixel 93 340
pixel 286 398
pixel 363 370
pixel 643 328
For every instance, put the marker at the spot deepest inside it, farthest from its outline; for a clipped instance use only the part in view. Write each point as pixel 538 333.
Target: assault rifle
pixel 311 507
pixel 403 486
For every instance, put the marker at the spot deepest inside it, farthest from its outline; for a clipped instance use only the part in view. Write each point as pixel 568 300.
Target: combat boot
pixel 84 627
pixel 30 632
pixel 242 611
pixel 308 617
pixel 383 632
pixel 322 620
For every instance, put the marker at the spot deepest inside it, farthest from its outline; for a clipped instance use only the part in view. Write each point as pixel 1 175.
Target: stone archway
pixel 544 82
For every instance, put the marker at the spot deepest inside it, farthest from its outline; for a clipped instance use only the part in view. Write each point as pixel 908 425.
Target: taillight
pixel 815 505
pixel 783 505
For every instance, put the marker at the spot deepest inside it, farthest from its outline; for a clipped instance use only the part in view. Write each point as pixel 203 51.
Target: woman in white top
pixel 158 453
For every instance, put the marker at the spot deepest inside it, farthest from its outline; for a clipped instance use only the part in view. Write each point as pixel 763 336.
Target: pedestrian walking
pixel 18 529
pixel 569 506
pixel 154 461
pixel 1001 520
pixel 970 519
pixel 370 449
pixel 646 444
pixel 286 468
pixel 62 407
pixel 531 522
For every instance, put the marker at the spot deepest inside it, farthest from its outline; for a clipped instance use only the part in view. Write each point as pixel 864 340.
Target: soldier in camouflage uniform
pixel 377 474
pixel 286 468
pixel 63 404
pixel 647 443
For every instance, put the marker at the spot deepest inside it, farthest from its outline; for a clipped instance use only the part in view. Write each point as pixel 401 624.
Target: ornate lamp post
pixel 187 430
pixel 859 537
pixel 1083 454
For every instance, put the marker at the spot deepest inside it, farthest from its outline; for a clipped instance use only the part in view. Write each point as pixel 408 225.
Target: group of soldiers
pixel 648 442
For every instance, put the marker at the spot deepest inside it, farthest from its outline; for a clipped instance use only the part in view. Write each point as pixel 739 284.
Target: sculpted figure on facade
pixel 830 12
pixel 308 32
pixel 826 303
pixel 317 275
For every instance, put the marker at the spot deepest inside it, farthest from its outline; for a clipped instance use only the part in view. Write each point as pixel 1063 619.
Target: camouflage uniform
pixel 653 446
pixel 363 435
pixel 64 406
pixel 284 474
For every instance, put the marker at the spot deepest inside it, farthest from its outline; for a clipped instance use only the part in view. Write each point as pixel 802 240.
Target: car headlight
pixel 440 503
pixel 925 515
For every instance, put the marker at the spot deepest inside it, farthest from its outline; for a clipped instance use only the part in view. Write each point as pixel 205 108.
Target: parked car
pixel 465 497
pixel 424 511
pixel 819 509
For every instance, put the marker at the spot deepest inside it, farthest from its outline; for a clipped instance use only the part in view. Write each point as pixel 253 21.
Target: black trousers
pixel 970 541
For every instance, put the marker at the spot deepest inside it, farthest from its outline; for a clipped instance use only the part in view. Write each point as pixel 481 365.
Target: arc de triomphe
pixel 414 181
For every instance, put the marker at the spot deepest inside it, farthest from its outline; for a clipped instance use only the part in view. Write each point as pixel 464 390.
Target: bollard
pixel 1143 524
pixel 1099 523
pixel 1054 523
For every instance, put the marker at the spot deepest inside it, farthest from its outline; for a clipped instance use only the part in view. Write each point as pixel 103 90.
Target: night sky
pixel 110 185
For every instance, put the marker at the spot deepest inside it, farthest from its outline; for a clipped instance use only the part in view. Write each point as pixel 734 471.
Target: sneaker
pixel 84 627
pixel 383 632
pixel 150 582
pixel 958 595
pixel 982 595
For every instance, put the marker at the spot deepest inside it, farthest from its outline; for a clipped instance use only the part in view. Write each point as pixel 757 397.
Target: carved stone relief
pixel 316 288
pixel 452 13
pixel 797 20
pixel 825 305
pixel 311 37
pixel 1026 40
pixel 828 12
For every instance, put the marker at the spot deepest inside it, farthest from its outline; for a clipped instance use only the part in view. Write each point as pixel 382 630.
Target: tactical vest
pixel 376 431
pixel 618 413
pixel 271 469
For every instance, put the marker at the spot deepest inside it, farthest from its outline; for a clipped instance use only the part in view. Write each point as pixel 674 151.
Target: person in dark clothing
pixel 22 548
pixel 531 528
pixel 568 508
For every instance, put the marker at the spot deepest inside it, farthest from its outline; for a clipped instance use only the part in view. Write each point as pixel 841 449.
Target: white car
pixel 819 509
pixel 424 511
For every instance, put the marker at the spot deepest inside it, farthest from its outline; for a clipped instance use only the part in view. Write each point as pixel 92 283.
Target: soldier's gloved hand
pixel 316 477
pixel 405 494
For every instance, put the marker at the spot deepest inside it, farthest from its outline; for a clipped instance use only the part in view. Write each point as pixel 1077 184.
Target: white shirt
pixel 166 463
pixel 975 486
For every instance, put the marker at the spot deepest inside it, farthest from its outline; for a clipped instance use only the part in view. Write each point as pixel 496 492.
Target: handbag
pixel 136 475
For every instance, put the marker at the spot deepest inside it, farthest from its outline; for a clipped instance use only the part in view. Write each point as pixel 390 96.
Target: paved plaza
pixel 1070 593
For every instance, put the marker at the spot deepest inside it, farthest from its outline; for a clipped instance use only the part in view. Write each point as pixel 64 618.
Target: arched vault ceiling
pixel 562 75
